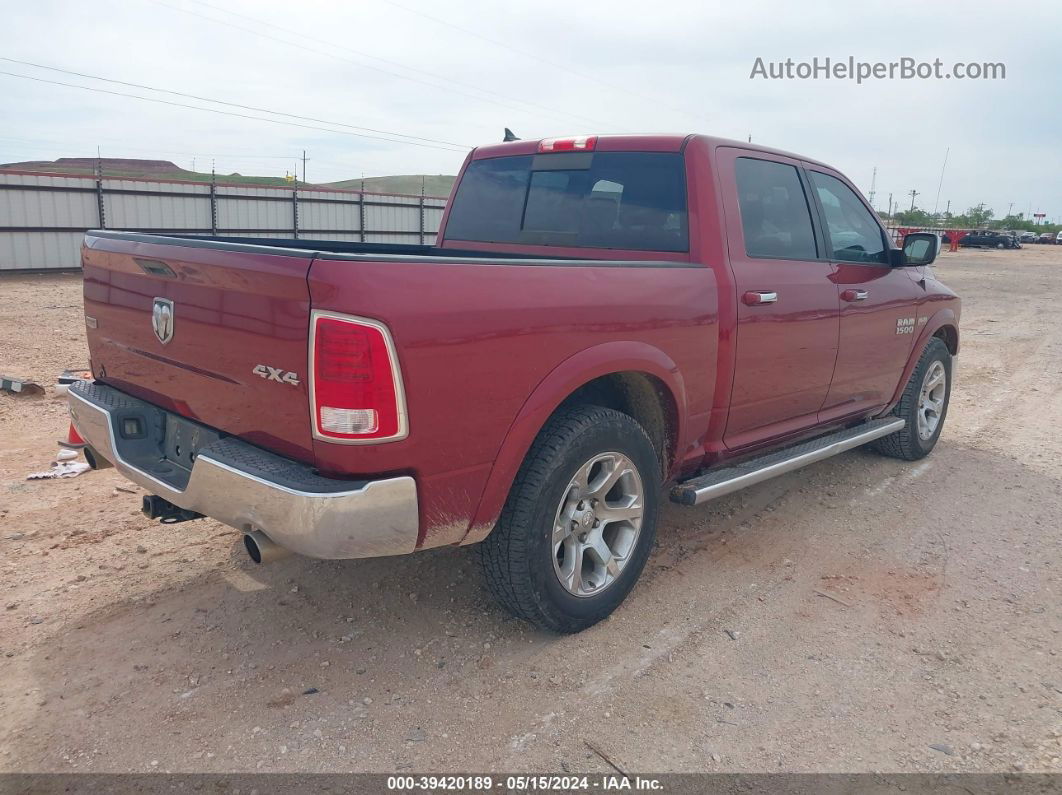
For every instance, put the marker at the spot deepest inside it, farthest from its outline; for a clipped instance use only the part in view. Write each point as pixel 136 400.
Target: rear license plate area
pixel 184 439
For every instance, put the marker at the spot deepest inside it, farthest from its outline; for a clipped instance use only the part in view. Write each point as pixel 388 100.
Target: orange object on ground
pixel 73 439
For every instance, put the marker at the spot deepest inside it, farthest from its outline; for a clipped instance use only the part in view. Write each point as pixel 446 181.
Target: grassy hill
pixel 134 169
pixel 434 185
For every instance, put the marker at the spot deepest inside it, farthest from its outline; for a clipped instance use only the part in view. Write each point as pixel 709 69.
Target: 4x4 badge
pixel 162 319
pixel 276 374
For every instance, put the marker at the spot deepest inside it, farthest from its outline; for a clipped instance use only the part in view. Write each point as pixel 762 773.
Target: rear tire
pixel 579 522
pixel 923 404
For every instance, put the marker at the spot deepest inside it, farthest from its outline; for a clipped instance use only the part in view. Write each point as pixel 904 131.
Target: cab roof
pixel 636 143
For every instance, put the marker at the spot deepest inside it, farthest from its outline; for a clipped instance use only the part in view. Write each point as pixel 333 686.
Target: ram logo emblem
pixel 162 319
pixel 276 374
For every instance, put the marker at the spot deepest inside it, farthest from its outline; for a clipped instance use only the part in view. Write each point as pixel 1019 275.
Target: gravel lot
pixel 130 646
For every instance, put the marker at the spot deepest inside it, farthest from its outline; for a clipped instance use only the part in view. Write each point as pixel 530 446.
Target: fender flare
pixel 937 321
pixel 567 377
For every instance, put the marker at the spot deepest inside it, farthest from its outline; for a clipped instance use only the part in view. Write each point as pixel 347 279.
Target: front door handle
pixel 855 295
pixel 757 297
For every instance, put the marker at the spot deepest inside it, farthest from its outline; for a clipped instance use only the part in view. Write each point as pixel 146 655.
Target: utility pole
pixel 303 166
pixel 913 194
pixel 1010 208
pixel 873 182
pixel 890 207
pixel 947 210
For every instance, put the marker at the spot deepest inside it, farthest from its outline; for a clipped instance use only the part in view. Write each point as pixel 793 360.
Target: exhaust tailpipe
pixel 95 460
pixel 261 549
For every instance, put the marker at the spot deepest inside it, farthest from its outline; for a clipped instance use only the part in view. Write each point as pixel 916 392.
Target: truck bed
pixel 380 252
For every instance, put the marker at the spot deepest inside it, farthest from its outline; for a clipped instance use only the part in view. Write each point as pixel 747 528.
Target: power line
pixel 227 113
pixel 229 104
pixel 568 70
pixel 505 100
pixel 318 52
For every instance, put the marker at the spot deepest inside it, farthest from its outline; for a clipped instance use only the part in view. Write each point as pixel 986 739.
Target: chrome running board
pixel 730 479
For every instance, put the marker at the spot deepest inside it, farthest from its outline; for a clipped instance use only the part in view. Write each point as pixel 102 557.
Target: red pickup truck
pixel 603 322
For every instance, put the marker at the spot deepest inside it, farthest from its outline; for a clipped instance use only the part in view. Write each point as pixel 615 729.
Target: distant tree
pixel 975 217
pixel 915 217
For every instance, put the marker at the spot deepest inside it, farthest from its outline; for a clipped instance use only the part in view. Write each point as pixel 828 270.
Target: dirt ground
pixel 131 646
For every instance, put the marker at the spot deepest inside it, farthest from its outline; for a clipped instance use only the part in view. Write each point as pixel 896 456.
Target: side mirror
pixel 920 248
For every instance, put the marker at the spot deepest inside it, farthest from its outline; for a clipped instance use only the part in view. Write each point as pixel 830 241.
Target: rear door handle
pixel 855 295
pixel 757 297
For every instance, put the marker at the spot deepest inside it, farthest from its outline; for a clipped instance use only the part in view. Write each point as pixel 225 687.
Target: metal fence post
pixel 421 211
pixel 295 211
pixel 213 203
pixel 100 205
pixel 361 212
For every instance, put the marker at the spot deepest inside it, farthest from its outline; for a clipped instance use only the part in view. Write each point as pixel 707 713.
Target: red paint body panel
pixel 871 354
pixel 475 341
pixel 786 349
pixel 488 350
pixel 236 310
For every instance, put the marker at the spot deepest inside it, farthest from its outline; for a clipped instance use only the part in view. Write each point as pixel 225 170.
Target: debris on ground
pixel 68 377
pixel 61 469
pixel 834 597
pixel 20 386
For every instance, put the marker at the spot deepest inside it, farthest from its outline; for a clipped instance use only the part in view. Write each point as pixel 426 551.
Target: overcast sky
pixel 458 71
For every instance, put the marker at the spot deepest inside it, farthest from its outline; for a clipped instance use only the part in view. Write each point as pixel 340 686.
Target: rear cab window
pixel 618 200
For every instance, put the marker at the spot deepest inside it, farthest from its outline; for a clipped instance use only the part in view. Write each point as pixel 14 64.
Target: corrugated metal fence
pixel 43 216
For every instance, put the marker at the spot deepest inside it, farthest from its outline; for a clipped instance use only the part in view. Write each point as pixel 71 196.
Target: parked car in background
pixel 599 317
pixel 1047 237
pixel 988 238
pixel 1058 238
pixel 1027 237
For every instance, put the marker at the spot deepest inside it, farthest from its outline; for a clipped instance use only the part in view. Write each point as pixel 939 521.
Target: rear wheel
pixel 923 404
pixel 579 522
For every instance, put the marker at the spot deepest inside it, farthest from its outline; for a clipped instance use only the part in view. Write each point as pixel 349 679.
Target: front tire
pixel 923 404
pixel 579 522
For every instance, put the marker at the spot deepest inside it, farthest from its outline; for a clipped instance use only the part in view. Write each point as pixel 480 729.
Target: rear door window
pixel 775 217
pixel 623 200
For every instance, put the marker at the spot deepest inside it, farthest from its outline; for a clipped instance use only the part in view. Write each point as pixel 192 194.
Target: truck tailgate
pixel 233 352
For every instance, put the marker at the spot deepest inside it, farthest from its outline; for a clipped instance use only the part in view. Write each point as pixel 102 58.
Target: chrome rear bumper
pixel 249 488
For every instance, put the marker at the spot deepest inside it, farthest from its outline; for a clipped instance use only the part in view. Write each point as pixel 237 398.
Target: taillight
pixel 582 143
pixel 355 384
